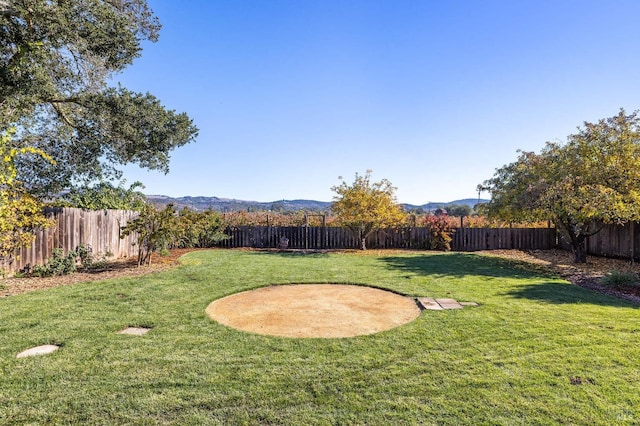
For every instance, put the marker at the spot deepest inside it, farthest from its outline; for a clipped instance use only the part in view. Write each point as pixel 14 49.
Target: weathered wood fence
pixel 619 241
pixel 475 239
pixel 314 238
pixel 99 230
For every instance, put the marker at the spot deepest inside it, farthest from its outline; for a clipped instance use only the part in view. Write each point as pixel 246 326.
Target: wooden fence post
pixel 633 241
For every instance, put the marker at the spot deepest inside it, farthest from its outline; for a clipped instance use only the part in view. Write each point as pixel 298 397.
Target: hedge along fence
pixel 99 230
pixel 319 238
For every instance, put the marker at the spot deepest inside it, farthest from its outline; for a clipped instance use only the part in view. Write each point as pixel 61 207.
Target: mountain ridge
pixel 200 203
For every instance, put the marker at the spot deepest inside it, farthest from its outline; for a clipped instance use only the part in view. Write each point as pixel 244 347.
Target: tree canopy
pixel 366 206
pixel 593 179
pixel 104 195
pixel 56 60
pixel 462 210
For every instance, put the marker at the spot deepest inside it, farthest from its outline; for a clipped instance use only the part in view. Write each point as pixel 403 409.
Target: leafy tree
pixel 104 195
pixel 20 212
pixel 593 179
pixel 459 210
pixel 440 232
pixel 199 229
pixel 155 229
pixel 278 207
pixel 56 60
pixel 163 229
pixel 366 206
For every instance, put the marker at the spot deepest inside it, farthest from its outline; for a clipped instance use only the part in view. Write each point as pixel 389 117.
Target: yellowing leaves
pixel 366 206
pixel 20 213
pixel 593 178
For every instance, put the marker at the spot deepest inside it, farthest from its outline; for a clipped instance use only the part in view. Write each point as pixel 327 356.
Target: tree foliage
pixel 269 218
pixel 20 212
pixel 56 60
pixel 440 232
pixel 199 229
pixel 593 179
pixel 159 230
pixel 366 206
pixel 104 195
pixel 155 230
pixel 459 210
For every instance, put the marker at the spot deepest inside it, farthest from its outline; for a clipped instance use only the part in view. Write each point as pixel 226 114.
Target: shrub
pixel 61 264
pixel 198 229
pixel 57 264
pixel 440 232
pixel 620 279
pixel 156 230
pixel 91 262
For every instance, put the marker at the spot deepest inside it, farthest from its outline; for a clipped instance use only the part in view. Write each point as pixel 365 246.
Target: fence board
pixel 99 230
pixel 314 238
pixel 614 241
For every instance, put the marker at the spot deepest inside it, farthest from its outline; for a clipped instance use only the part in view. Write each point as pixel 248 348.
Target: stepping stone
pixel 449 304
pixel 469 304
pixel 38 350
pixel 429 303
pixel 135 331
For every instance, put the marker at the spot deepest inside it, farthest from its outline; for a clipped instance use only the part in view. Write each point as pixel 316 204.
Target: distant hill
pixel 431 206
pixel 228 204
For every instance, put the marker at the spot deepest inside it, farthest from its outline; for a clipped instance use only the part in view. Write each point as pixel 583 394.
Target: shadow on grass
pixel 559 293
pixel 292 253
pixel 463 264
pixel 460 265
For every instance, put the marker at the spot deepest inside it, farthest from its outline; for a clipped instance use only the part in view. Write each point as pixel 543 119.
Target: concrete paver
pixel 429 303
pixel 38 350
pixel 449 303
pixel 135 331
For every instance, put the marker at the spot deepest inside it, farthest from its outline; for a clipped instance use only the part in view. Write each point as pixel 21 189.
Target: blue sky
pixel 432 95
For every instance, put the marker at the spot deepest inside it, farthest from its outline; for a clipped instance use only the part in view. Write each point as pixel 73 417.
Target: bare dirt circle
pixel 314 310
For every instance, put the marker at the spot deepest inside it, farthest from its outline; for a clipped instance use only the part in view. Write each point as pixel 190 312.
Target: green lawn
pixel 537 351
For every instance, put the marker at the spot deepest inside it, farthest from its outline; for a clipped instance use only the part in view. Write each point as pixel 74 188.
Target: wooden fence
pixel 99 230
pixel 464 239
pixel 475 239
pixel 618 241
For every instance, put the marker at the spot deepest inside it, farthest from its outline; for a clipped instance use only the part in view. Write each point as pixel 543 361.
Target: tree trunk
pixel 363 234
pixel 580 250
pixel 578 242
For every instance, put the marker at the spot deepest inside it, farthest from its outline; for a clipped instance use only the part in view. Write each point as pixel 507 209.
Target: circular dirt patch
pixel 314 310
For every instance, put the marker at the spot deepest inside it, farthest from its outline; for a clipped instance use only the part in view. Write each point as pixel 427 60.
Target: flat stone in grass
pixel 429 303
pixel 449 303
pixel 135 331
pixel 432 304
pixel 38 350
